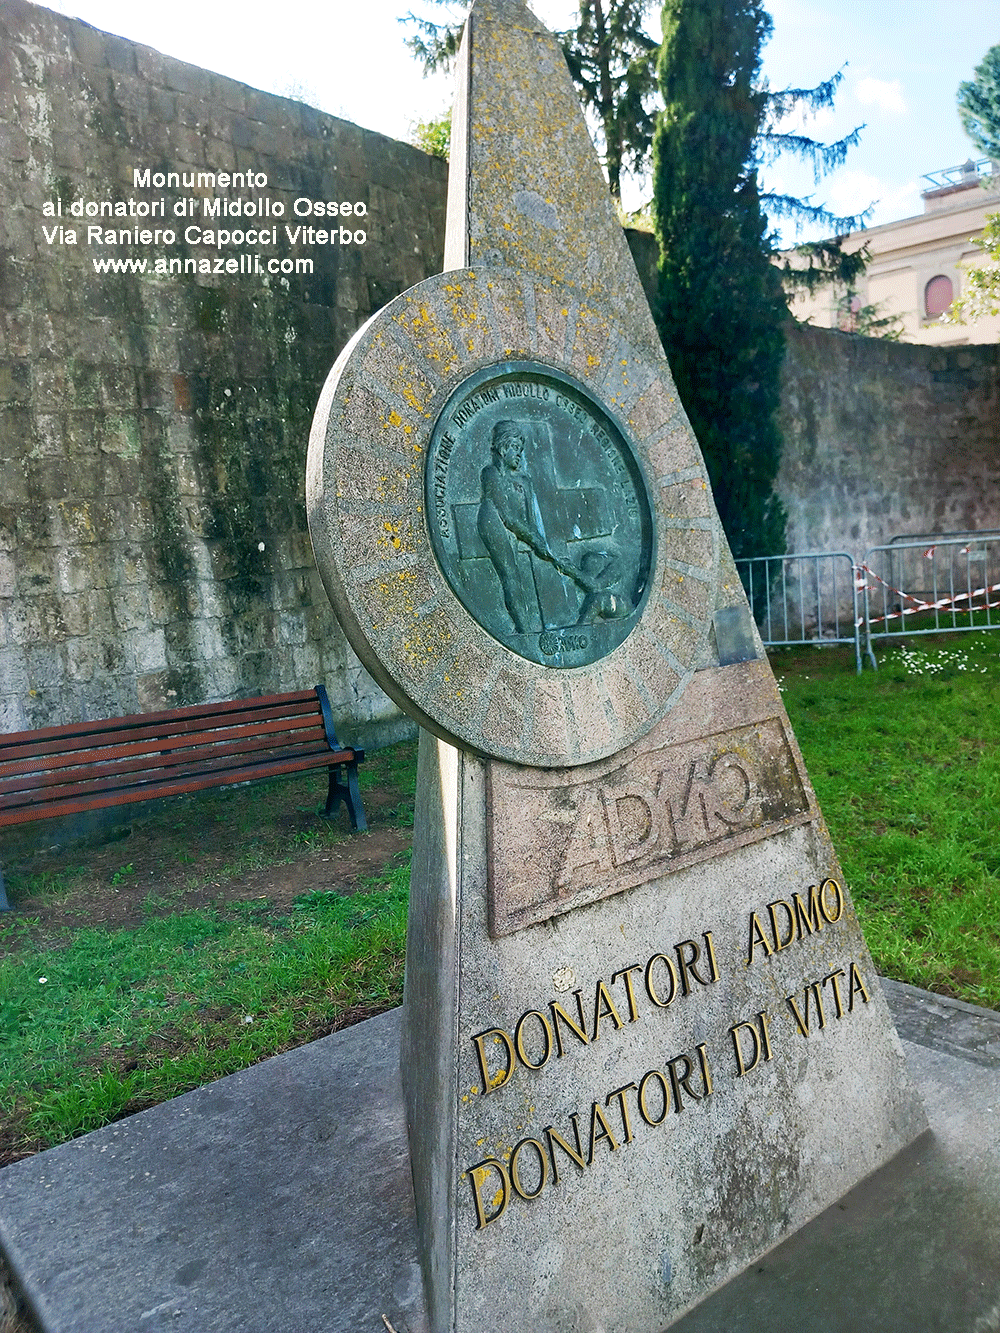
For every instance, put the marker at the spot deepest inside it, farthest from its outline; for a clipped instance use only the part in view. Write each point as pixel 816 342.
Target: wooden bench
pixel 92 765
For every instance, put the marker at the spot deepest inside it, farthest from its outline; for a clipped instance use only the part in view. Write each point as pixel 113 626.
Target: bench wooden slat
pixel 104 776
pixel 156 753
pixel 154 790
pixel 167 717
pixel 62 749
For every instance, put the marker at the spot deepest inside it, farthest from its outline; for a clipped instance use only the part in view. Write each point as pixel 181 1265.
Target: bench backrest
pixel 89 765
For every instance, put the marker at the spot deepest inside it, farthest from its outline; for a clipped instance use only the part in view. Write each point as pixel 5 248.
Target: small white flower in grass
pixel 260 546
pixel 247 1018
pixel 43 981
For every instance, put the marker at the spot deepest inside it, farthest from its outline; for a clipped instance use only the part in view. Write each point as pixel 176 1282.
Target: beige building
pixel 915 271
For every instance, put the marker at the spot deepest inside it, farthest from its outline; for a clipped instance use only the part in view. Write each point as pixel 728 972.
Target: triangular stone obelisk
pixel 643 1037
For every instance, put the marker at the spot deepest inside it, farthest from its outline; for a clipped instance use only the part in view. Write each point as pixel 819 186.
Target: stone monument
pixel 643 1036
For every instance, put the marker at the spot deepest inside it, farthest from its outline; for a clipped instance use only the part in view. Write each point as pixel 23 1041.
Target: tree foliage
pixel 867 321
pixel 979 105
pixel 720 302
pixel 612 62
pixel 433 136
pixel 981 285
pixel 772 140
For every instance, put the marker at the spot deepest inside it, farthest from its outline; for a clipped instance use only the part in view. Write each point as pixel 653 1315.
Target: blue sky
pixel 905 59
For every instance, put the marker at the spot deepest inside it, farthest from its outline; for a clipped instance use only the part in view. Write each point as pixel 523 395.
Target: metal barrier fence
pixel 912 587
pixel 807 598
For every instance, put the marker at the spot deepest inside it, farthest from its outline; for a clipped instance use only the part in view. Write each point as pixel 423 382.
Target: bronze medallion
pixel 539 514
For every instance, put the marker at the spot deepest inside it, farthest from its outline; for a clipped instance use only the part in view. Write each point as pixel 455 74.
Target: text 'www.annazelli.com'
pixel 165 266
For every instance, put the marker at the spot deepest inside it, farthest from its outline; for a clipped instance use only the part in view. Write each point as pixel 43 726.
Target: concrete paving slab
pixel 279 1199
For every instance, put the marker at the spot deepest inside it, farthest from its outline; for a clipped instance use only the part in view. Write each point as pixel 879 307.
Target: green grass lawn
pixel 118 1020
pixel 906 764
pixel 98 1021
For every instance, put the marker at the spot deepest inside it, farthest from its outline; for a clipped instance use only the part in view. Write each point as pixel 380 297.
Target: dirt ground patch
pixel 266 841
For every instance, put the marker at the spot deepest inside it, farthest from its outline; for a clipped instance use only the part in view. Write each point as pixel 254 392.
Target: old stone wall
pixel 153 427
pixel 886 438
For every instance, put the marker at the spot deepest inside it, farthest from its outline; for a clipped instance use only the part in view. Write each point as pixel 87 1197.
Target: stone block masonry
pixel 886 438
pixel 153 424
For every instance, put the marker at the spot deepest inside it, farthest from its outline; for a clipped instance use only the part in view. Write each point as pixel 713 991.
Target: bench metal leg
pixel 4 904
pixel 346 789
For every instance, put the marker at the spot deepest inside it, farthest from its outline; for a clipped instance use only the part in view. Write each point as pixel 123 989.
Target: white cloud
pixel 851 192
pixel 886 96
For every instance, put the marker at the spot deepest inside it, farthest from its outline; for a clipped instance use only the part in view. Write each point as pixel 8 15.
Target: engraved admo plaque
pixel 539 514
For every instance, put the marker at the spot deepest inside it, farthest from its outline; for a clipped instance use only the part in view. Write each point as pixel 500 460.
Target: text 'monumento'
pixel 643 1039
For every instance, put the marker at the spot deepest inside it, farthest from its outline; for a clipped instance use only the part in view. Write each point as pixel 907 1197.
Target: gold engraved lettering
pixel 576 1156
pixel 626 972
pixel 801 1020
pixel 856 985
pixel 809 917
pixel 780 943
pixel 604 1007
pixel 665 1091
pixel 687 965
pixel 838 900
pixel 757 936
pixel 478 1178
pixel 580 1032
pixel 832 976
pixel 661 1004
pixel 596 1114
pixel 706 1077
pixel 765 1035
pixel 496 1080
pixel 710 947
pixel 515 1171
pixel 741 1066
pixel 814 987
pixel 678 1081
pixel 626 1122
pixel 519 1044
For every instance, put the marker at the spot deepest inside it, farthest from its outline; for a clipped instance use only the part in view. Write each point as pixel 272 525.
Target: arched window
pixel 938 296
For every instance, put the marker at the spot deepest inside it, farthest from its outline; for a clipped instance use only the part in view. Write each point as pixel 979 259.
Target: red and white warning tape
pixel 943 603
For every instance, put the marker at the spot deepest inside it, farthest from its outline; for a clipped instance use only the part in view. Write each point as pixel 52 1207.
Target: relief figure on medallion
pixel 602 573
pixel 539 515
pixel 509 513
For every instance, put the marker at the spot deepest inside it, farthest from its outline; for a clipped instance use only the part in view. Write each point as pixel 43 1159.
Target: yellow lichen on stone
pixel 432 341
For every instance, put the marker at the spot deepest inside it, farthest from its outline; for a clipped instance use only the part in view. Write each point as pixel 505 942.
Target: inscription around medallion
pixel 562 844
pixel 539 514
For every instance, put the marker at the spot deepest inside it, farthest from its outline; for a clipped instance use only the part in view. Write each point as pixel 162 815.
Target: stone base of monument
pixel 649 1042
pixel 279 1199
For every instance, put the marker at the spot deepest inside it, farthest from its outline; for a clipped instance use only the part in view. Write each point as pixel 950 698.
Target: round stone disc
pixel 511 518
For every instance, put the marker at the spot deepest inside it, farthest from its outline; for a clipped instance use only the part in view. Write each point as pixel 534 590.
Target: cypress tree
pixel 721 307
